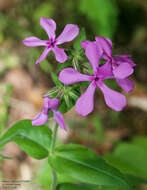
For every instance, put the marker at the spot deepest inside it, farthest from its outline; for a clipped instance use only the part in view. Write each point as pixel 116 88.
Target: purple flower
pixel 122 65
pixel 69 33
pixel 85 103
pixel 42 117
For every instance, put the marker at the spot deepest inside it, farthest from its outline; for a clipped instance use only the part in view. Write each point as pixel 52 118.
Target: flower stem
pixel 54 180
pixel 54 175
pixel 54 138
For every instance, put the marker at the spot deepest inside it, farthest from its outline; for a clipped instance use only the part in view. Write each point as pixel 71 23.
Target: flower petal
pixel 69 33
pixel 126 84
pixel 40 119
pixel 60 55
pixel 43 56
pixel 71 76
pixel 109 41
pixel 93 53
pixel 34 41
pixel 59 119
pixel 84 43
pixel 49 26
pixel 124 58
pixel 123 70
pixel 105 71
pixel 85 103
pixel 113 99
pixel 105 44
pixel 50 104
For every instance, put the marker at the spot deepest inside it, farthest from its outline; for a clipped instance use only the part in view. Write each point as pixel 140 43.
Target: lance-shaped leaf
pixel 71 186
pixel 85 166
pixel 34 140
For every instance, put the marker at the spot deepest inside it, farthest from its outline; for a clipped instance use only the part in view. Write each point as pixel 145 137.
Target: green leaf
pixel 70 186
pixel 109 188
pixel 133 180
pixel 130 159
pixel 85 166
pixel 140 141
pixel 34 140
pixel 44 176
pixel 79 39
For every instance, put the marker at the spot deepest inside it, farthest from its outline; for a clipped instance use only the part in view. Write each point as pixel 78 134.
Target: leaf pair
pixel 74 161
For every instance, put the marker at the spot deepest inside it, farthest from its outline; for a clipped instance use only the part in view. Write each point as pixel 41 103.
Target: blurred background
pixel 118 136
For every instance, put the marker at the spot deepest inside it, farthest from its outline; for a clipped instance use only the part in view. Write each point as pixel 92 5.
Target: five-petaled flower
pixel 122 65
pixel 69 33
pixel 42 117
pixel 85 103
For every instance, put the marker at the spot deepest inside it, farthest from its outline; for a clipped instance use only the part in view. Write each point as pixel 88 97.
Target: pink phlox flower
pixel 69 33
pixel 42 117
pixel 122 65
pixel 85 103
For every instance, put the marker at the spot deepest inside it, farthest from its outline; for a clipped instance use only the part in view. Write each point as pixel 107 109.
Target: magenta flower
pixel 42 117
pixel 122 65
pixel 85 103
pixel 69 33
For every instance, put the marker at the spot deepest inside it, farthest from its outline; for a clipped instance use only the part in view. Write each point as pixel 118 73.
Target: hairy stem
pixel 54 138
pixel 53 143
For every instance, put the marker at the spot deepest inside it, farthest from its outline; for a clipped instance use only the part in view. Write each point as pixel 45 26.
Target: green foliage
pixel 133 180
pixel 67 186
pixel 79 39
pixel 55 79
pixel 130 158
pixel 69 97
pixel 140 141
pixel 63 65
pixel 85 166
pixel 44 176
pixel 34 140
pixel 69 94
pixel 102 15
pixel 112 84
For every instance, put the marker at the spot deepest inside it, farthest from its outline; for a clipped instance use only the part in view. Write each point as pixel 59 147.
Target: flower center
pixel 96 79
pixel 51 43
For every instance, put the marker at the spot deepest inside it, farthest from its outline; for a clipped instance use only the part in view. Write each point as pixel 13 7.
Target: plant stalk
pixel 54 138
pixel 53 143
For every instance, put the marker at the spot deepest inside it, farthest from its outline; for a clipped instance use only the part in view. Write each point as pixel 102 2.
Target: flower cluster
pixel 115 67
pixel 119 68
